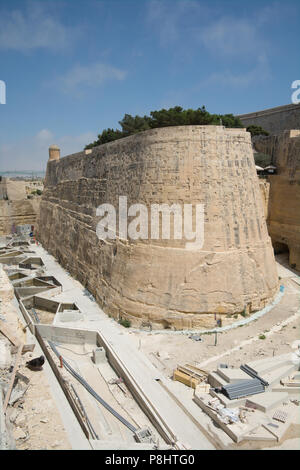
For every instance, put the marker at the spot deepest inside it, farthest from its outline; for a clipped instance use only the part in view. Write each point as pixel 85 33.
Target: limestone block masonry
pixel 284 198
pixel 274 120
pixel 160 281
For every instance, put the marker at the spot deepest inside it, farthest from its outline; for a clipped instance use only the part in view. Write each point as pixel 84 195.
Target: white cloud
pixel 233 37
pixel 83 76
pixel 33 28
pixel 173 20
pixel 258 73
pixel 32 153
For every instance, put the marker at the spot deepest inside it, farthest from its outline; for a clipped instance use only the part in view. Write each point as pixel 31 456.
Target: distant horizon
pixel 22 172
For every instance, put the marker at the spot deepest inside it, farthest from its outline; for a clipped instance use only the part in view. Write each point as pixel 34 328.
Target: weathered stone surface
pixel 6 288
pixel 274 120
pixel 160 280
pixel 284 199
pixel 264 187
pixel 15 207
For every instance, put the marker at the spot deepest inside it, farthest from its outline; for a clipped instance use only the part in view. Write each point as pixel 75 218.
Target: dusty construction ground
pixel 34 421
pixel 272 334
pixel 37 424
pixel 163 348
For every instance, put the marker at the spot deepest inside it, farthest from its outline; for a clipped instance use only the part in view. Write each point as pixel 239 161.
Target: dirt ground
pixel 34 420
pixel 271 334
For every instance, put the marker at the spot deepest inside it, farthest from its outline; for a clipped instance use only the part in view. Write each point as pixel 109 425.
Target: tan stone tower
pixel 160 280
pixel 54 152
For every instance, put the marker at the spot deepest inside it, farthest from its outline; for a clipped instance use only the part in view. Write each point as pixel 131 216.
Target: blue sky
pixel 75 67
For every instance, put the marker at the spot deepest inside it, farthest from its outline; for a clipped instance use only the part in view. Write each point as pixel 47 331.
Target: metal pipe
pixel 92 392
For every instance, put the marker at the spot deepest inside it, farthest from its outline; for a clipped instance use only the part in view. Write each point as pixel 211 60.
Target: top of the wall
pixel 165 133
pixel 265 112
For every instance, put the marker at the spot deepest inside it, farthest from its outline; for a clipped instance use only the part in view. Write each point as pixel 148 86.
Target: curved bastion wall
pixel 161 281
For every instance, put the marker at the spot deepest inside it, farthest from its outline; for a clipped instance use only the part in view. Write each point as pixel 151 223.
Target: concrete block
pixel 260 434
pixel 117 445
pixel 273 377
pixel 99 355
pixel 5 355
pixel 69 316
pixel 290 390
pixel 268 400
pixel 227 402
pixel 144 435
pixel 215 380
pixel 232 375
pixel 269 364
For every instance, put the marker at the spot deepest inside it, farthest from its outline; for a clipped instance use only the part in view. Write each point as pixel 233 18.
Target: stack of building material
pixel 257 395
pixel 243 388
pixel 189 375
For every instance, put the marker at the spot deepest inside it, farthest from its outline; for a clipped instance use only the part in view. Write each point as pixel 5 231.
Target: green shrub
pixel 244 313
pixel 124 322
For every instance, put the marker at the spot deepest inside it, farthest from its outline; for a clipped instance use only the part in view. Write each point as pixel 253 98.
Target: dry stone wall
pixel 160 280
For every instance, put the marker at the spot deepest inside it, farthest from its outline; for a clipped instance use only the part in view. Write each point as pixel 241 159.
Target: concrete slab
pixel 232 375
pixel 271 363
pixel 268 400
pixel 117 445
pixel 227 402
pixel 273 377
pixel 290 390
pixel 215 380
pixel 281 428
pixel 260 434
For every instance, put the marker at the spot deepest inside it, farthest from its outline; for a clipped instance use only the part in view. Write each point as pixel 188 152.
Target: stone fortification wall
pixel 13 213
pixel 284 198
pixel 161 281
pixel 274 120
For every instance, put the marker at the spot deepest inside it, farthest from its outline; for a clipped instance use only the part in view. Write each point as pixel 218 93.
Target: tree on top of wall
pixel 256 130
pixel 176 116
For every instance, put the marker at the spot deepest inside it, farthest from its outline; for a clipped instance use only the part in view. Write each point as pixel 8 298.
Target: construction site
pixel 143 344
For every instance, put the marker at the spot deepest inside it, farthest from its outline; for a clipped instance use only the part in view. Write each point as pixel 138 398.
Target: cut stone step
pixel 232 375
pixel 294 392
pixel 273 377
pixel 262 366
pixel 268 400
pixel 215 380
pixel 260 434
pixel 227 402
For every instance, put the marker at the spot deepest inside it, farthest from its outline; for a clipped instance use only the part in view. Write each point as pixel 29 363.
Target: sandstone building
pixel 160 280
